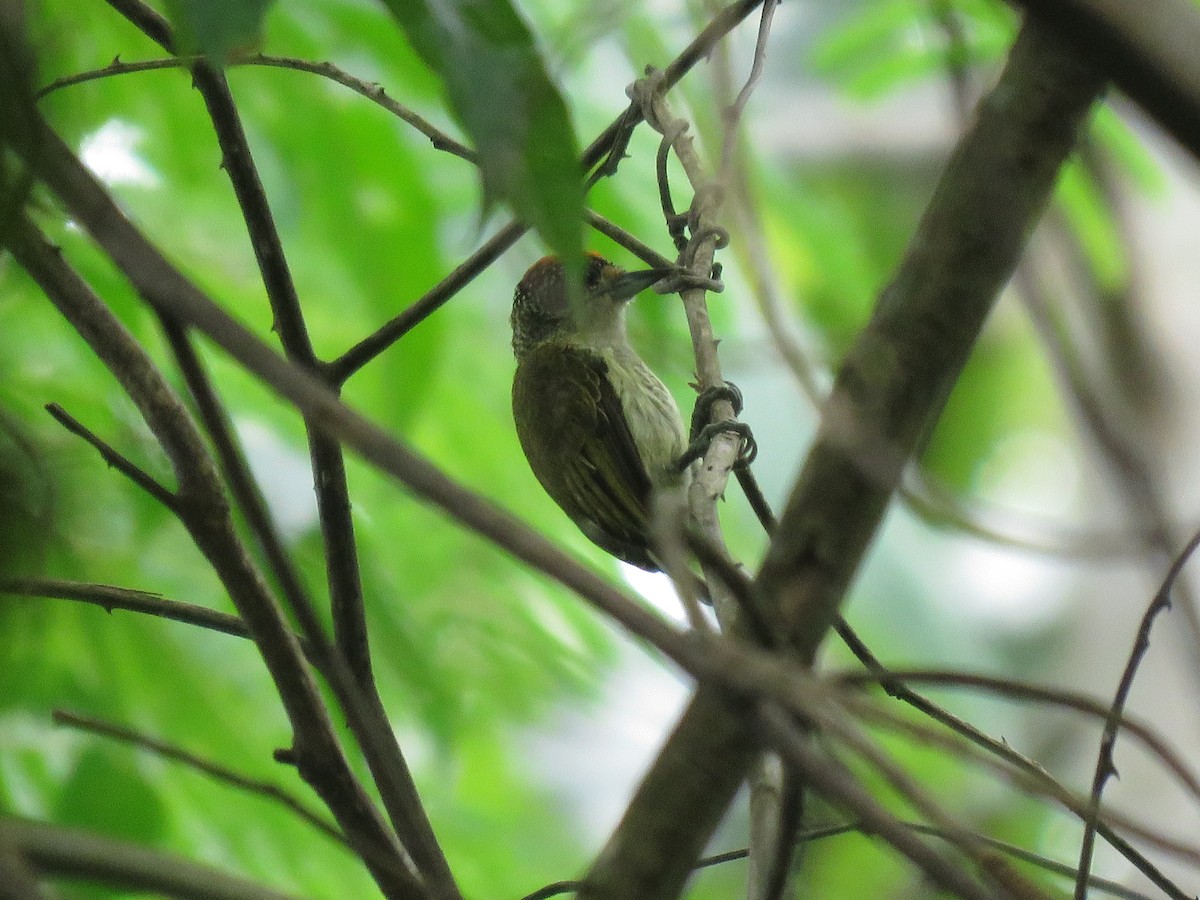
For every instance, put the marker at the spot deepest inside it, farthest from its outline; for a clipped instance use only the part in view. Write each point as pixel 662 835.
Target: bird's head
pixel 543 311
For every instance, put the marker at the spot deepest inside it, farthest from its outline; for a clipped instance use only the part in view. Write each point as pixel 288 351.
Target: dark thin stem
pixel 114 458
pixel 371 346
pixel 896 688
pixel 236 470
pixel 1105 766
pixel 373 92
pixel 207 767
pixel 662 177
pixel 111 597
pixel 115 68
pixel 834 781
pixel 739 584
pixel 366 713
pixel 756 498
pixel 57 851
pixel 1019 690
pixel 376 93
pixel 641 250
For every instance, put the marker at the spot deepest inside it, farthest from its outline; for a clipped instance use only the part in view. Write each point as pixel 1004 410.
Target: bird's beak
pixel 629 284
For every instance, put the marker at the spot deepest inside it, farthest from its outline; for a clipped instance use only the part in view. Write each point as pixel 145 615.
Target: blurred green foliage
pixel 471 648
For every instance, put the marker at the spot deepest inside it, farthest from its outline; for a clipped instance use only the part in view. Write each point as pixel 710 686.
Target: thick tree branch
pixel 1148 48
pixel 889 392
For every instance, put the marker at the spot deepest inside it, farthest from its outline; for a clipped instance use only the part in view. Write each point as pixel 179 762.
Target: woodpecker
pixel 600 430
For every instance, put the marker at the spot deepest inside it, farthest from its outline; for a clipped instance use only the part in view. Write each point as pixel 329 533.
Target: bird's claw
pixel 700 445
pixel 702 433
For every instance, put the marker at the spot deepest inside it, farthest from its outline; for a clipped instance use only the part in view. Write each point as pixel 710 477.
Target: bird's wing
pixel 577 439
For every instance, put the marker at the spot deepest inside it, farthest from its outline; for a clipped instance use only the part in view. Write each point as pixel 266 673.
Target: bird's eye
pixel 594 270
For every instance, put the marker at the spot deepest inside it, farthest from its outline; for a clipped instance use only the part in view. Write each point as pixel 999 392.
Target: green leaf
pixel 502 96
pixel 214 28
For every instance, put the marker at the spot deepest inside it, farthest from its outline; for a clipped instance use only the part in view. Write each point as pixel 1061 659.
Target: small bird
pixel 599 429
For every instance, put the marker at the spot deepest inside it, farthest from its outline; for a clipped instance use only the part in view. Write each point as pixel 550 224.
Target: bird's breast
pixel 650 410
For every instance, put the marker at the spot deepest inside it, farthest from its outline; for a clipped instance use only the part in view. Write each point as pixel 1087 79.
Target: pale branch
pixel 732 115
pixel 771 800
pixel 890 389
pixel 216 771
pixel 71 853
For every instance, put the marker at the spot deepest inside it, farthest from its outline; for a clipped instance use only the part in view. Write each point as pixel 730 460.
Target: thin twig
pixel 115 458
pixel 629 241
pixel 837 784
pixel 1019 690
pixel 733 114
pixel 376 93
pixel 1105 765
pixel 375 343
pixel 1103 885
pixel 111 597
pixel 219 772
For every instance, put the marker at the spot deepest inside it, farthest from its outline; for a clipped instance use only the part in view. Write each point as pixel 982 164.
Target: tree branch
pixel 1148 48
pixel 114 458
pixel 203 510
pixel 207 767
pixel 888 393
pixel 74 853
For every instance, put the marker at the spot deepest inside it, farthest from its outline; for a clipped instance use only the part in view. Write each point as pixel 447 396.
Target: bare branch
pixel 74 853
pixel 114 458
pixel 1148 48
pixel 837 784
pixel 110 597
pixel 1105 765
pixel 207 767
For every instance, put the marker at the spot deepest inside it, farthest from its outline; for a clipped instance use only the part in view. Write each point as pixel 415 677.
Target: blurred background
pixel 1043 514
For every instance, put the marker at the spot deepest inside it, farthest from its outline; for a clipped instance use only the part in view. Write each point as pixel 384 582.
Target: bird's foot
pixel 702 433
